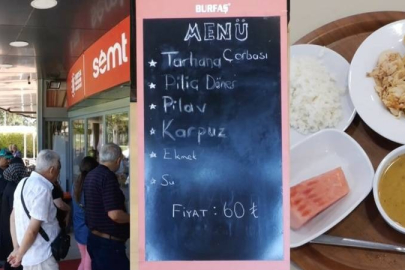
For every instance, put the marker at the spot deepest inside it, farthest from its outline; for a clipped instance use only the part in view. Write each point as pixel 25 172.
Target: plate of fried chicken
pixel 377 81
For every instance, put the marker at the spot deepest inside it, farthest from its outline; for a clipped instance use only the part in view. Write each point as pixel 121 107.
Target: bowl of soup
pixel 389 188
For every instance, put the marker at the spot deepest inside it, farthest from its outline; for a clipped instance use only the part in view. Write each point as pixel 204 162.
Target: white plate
pixel 339 67
pixel 319 153
pixel 361 88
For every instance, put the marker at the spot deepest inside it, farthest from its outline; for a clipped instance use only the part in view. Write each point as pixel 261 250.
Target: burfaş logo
pixel 76 82
pixel 107 61
pixel 212 8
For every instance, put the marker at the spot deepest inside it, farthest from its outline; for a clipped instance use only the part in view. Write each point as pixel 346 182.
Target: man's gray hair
pixel 47 159
pixel 110 152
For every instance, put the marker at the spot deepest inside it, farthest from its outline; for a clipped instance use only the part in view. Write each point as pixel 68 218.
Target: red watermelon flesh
pixel 314 195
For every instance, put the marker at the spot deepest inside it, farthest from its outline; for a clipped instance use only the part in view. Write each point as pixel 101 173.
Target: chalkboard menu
pixel 212 129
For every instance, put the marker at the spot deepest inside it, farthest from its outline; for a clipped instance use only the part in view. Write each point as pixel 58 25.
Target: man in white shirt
pixel 30 248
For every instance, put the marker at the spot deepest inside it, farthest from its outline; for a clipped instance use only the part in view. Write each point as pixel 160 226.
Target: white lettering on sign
pixel 246 55
pixel 172 154
pixel 178 210
pixel 217 31
pixel 212 8
pixel 199 132
pixel 107 61
pixel 190 61
pixel 76 82
pixel 177 104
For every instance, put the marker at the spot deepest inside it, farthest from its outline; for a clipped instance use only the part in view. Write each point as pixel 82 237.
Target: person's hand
pixel 15 258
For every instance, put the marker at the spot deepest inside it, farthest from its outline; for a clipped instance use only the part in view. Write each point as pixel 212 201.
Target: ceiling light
pixel 43 4
pixel 19 43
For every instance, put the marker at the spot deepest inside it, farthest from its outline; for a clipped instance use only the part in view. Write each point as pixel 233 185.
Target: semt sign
pixel 115 53
pixel 212 134
pixel 107 60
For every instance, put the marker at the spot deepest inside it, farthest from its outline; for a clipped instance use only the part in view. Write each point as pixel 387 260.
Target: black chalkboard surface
pixel 212 119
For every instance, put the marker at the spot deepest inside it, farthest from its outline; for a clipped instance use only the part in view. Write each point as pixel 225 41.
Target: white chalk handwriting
pixel 170 104
pixel 218 31
pixel 180 210
pixel 192 131
pixel 191 60
pixel 173 154
pixel 184 82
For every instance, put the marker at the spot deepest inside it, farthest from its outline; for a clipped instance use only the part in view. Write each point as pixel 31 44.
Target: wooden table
pixel 365 222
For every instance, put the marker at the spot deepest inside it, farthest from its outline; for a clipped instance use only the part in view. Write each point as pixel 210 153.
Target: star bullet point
pixel 152 86
pixel 153 181
pixel 152 155
pixel 152 131
pixel 152 63
pixel 152 106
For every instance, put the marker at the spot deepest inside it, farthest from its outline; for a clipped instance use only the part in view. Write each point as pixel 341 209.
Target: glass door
pixel 94 136
pixel 78 143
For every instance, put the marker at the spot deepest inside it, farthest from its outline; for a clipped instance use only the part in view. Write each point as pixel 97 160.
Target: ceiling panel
pixel 82 14
pixel 14 12
pixel 28 62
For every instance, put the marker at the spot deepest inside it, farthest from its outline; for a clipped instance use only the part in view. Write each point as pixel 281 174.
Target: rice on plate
pixel 315 97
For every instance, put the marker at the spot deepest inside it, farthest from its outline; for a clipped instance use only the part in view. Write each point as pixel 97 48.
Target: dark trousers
pixel 106 254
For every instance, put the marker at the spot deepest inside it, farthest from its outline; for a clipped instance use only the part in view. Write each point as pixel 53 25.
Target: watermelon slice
pixel 314 195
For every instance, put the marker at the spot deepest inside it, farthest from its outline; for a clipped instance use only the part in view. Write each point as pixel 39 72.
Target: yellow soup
pixel 392 190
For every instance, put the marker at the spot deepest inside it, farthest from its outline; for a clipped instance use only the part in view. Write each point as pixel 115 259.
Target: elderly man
pixel 30 249
pixel 105 213
pixel 15 151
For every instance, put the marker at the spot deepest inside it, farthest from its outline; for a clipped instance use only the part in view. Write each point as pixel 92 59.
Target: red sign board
pixel 106 62
pixel 103 65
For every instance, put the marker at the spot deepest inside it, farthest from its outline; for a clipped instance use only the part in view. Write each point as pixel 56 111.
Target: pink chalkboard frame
pixel 154 9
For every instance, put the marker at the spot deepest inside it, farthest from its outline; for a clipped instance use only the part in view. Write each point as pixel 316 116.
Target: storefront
pixel 98 100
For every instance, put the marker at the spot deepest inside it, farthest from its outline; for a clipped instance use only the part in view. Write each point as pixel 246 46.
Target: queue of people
pixel 34 214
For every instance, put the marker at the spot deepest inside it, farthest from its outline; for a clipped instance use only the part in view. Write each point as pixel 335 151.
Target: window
pixel 52 129
pixel 117 130
pixel 89 133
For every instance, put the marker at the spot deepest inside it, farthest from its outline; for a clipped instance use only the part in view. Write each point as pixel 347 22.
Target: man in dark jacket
pixel 105 213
